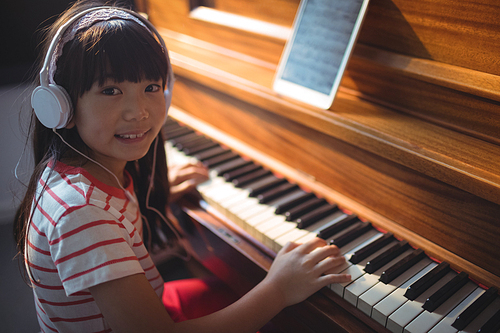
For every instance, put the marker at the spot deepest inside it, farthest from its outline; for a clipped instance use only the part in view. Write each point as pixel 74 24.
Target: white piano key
pixel 366 281
pixel 483 317
pixel 368 300
pixel 427 320
pixel 411 309
pixel 383 309
pixel 444 326
pixel 357 270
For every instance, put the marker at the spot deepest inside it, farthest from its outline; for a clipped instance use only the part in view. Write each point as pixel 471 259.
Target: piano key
pixel 355 245
pixel 366 281
pixel 216 160
pixel 480 323
pixel 276 192
pixel 445 325
pixel 292 203
pixel 179 141
pixel 231 166
pixel 182 130
pixel 411 309
pixel 381 290
pixel 440 296
pixel 335 228
pixel 401 266
pixel 204 154
pixel 474 309
pixel 384 308
pixel 304 208
pixel 315 215
pixel 426 320
pixel 367 250
pixel 265 185
pixel 375 264
pixel 250 177
pixel 425 282
pixel 492 325
pixel 360 229
pixel 296 235
pixel 230 176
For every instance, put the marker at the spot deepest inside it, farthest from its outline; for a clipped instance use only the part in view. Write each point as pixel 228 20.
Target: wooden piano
pixel 410 145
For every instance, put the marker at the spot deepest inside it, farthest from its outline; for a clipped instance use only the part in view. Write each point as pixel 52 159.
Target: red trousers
pixel 194 298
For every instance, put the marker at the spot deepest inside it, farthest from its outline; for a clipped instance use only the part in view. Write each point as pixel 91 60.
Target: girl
pixel 80 225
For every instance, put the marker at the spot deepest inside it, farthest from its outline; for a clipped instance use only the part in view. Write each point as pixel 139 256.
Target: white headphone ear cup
pixel 52 106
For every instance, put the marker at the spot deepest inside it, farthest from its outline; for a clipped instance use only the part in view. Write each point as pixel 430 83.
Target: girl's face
pixel 118 121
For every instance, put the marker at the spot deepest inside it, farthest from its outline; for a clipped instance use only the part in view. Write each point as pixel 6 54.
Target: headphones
pixel 52 103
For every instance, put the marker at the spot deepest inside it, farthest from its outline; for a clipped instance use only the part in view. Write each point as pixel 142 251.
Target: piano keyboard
pixel 394 284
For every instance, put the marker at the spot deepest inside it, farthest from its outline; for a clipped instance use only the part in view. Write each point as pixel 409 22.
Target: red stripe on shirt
pixel 108 198
pixel 111 262
pixel 38 231
pixel 89 248
pixel 82 301
pixel 50 328
pixel 43 269
pixel 37 249
pixel 55 196
pixel 68 181
pixel 83 227
pixel 75 320
pixel 47 216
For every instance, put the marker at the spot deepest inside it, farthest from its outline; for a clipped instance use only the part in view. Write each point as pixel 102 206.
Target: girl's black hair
pixel 126 51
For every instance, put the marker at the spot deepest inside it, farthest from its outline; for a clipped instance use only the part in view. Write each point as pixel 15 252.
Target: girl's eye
pixel 111 91
pixel 153 88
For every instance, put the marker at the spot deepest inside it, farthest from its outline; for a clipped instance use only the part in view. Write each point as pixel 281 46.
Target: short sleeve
pixel 90 246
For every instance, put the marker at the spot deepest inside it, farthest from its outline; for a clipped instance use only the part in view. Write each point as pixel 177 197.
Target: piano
pixel 402 172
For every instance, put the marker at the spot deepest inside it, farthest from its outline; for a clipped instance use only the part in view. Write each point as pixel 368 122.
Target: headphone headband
pixel 51 102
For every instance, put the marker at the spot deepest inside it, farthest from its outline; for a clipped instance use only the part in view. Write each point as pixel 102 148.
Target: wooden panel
pixel 462 33
pixel 438 212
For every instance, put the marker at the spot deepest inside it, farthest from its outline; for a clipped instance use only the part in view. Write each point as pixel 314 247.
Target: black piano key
pixel 475 309
pixel 304 208
pixel 251 177
pixel 292 203
pixel 348 237
pixel 337 227
pixel 422 284
pixel 386 256
pixel 184 138
pixel 260 187
pixel 401 266
pixel 492 325
pixel 315 215
pixel 190 142
pixel 219 159
pixel 204 152
pixel 440 296
pixel 276 192
pixel 231 166
pixel 183 130
pixel 230 176
pixel 373 247
pixel 202 148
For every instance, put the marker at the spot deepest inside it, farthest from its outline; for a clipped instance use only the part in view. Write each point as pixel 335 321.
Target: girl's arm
pixel 130 304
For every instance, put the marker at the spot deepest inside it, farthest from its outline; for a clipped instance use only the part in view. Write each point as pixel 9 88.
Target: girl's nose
pixel 136 110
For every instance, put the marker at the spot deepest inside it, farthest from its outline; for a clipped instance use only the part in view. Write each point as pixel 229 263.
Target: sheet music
pixel 320 43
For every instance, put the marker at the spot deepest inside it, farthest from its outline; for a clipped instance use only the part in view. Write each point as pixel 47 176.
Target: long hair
pixel 126 51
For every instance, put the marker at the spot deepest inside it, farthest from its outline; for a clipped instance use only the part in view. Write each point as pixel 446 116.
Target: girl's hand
pixel 298 271
pixel 184 178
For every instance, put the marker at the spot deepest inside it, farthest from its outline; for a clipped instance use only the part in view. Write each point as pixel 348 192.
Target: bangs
pixel 118 49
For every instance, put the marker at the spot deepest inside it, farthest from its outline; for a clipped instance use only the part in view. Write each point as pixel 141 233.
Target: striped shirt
pixel 83 233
